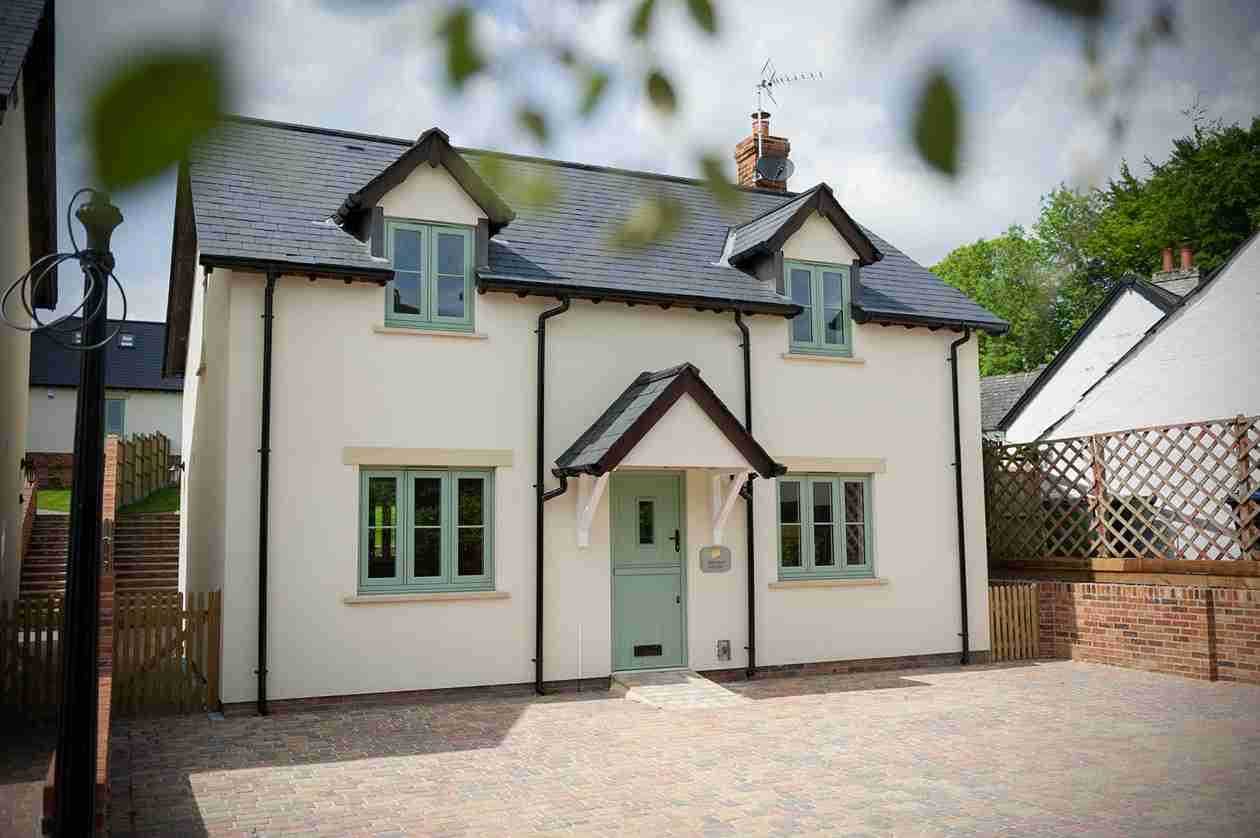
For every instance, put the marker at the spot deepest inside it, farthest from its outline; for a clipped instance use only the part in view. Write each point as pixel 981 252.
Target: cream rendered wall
pixel 816 241
pixel 1122 326
pixel 15 346
pixel 51 424
pixel 1200 364
pixel 338 382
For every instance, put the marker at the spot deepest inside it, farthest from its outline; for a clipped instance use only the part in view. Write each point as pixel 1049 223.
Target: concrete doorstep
pixel 674 689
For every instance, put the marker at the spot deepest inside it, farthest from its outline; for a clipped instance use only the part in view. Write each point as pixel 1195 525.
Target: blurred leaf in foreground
pixel 463 55
pixel 518 189
pixel 151 109
pixel 938 123
pixel 718 184
pixel 660 92
pixel 652 220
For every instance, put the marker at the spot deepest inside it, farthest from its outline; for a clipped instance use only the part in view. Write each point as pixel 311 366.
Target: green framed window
pixel 432 284
pixel 425 530
pixel 822 291
pixel 825 529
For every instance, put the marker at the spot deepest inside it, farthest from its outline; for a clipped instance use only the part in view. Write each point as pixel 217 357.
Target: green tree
pixel 1008 276
pixel 1068 219
pixel 1207 193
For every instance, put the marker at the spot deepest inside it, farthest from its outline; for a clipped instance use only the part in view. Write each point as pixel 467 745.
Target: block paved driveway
pixel 1047 749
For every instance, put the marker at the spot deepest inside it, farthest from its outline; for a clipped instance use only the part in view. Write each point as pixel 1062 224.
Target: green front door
pixel 647 560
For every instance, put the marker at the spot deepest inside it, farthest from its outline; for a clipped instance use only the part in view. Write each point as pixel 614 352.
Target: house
pixel 138 398
pixel 1195 363
pixel 998 393
pixel 437 437
pixel 28 206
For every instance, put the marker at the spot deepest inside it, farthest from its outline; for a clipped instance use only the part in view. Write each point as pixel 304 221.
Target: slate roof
pixel 632 414
pixel 999 392
pixel 18 21
pixel 759 230
pixel 137 368
pixel 265 191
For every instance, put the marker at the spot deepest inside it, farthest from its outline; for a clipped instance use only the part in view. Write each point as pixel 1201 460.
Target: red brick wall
pixel 52 471
pixel 1206 633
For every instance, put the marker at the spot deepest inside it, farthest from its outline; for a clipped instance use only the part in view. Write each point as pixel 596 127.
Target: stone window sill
pixel 447 596
pixel 822 359
pixel 808 584
pixel 429 333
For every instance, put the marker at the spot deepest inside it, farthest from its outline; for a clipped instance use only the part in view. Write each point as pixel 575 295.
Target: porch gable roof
pixel 607 442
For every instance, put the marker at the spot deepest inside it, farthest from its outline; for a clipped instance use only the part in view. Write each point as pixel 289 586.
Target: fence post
pixel 1098 494
pixel 1248 528
pixel 213 640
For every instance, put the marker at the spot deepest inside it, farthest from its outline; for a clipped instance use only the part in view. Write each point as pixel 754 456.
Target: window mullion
pixel 406 529
pixel 840 521
pixel 820 315
pixel 428 285
pixel 448 563
pixel 807 525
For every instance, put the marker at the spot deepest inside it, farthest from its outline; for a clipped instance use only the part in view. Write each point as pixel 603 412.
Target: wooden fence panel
pixel 1174 492
pixel 165 654
pixel 1013 622
pixel 143 467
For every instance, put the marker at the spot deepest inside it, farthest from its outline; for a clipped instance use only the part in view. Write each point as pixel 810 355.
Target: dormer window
pixel 127 341
pixel 432 285
pixel 822 291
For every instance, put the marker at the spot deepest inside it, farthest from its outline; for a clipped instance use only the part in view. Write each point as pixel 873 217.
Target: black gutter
pixel 524 287
pixel 958 496
pixel 542 495
pixel 379 276
pixel 263 488
pixel 860 315
pixel 750 529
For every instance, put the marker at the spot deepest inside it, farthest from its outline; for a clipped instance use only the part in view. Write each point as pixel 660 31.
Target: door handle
pixel 677 599
pixel 677 539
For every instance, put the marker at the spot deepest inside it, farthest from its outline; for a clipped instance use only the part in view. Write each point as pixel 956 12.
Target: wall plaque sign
pixel 715 559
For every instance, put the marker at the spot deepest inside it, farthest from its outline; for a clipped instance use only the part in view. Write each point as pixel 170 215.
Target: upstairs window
pixel 432 285
pixel 822 291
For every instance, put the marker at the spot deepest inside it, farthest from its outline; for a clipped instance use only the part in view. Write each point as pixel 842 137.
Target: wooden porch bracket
pixel 590 490
pixel 723 503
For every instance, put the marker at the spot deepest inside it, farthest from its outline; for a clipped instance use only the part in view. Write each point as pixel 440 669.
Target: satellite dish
pixel 775 168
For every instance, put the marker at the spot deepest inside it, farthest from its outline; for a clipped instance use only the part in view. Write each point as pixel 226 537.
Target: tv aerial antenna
pixel 775 168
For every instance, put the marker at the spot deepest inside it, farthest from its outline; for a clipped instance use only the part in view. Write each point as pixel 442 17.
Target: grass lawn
pixel 163 500
pixel 53 500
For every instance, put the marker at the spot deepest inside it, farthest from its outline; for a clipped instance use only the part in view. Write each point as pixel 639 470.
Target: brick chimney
pixel 1179 280
pixel 746 153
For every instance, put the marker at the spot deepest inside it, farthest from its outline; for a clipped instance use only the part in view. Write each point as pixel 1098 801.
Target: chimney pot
pixel 761 123
pixel 1168 259
pixel 1187 257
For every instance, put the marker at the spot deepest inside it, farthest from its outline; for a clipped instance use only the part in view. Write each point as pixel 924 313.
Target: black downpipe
pixel 263 489
pixel 539 486
pixel 750 529
pixel 958 496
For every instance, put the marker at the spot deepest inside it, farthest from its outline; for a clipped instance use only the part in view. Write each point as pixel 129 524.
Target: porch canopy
pixel 670 419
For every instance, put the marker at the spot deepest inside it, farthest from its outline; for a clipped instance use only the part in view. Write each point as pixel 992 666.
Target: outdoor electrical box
pixel 715 559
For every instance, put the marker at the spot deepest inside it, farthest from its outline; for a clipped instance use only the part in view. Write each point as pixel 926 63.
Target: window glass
pixel 647 522
pixel 470 511
pixel 426 530
pixel 824 526
pixel 114 410
pixel 822 327
pixel 382 527
pixel 431 276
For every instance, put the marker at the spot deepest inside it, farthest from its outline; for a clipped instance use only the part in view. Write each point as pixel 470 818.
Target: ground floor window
pixel 825 526
pixel 425 530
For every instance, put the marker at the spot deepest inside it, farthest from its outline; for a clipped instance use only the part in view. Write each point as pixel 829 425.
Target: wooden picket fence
pixel 165 656
pixel 30 657
pixel 143 466
pixel 1170 493
pixel 166 652
pixel 1013 622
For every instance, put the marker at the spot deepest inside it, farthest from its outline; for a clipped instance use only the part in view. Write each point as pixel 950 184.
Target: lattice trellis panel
pixel 1171 492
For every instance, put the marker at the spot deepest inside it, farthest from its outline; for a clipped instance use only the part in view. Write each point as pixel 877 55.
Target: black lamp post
pixel 75 775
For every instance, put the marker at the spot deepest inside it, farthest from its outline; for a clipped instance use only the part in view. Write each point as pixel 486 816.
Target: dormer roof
pixel 434 148
pixel 766 234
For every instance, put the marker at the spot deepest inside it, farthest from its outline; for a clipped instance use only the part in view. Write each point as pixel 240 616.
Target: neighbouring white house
pixel 28 231
pixel 436 437
pixel 1024 406
pixel 139 399
pixel 1198 362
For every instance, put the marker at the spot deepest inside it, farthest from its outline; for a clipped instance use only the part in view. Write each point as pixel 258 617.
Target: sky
pixel 374 66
